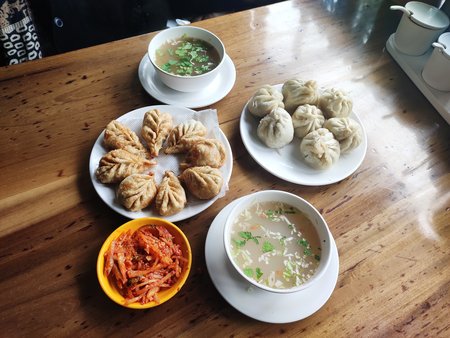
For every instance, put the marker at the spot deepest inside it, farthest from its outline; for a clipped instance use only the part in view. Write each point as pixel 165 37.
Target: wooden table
pixel 390 219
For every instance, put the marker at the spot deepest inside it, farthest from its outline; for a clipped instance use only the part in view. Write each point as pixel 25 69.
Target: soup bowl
pixel 180 82
pixel 313 231
pixel 165 293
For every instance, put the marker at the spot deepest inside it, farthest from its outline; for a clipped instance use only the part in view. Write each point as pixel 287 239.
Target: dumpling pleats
pixel 205 152
pixel 171 197
pixel 156 125
pixel 137 191
pixel 202 182
pixel 119 136
pixel 117 164
pixel 183 136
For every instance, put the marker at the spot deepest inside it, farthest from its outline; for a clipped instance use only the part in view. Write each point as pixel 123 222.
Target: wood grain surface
pixel 390 219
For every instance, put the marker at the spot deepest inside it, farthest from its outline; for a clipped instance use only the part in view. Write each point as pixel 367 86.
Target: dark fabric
pixel 18 38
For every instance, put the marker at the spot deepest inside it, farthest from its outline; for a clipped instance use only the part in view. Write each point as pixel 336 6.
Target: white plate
pixel 216 91
pixel 133 120
pixel 287 162
pixel 256 303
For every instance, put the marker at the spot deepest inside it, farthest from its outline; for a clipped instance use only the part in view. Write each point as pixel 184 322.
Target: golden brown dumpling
pixel 119 136
pixel 171 197
pixel 202 182
pixel 210 152
pixel 182 137
pixel 155 128
pixel 137 191
pixel 117 164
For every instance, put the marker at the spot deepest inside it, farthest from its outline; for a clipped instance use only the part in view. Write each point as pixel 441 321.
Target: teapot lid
pixel 427 16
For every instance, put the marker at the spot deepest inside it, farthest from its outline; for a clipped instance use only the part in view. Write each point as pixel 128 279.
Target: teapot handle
pixel 401 8
pixel 439 46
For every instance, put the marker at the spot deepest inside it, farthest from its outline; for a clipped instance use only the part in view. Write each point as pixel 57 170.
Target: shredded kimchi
pixel 143 262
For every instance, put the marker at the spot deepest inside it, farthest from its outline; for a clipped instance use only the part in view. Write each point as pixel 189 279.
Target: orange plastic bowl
pixel 165 294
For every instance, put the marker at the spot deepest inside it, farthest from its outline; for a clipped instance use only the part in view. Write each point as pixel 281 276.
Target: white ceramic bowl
pixel 186 83
pixel 307 209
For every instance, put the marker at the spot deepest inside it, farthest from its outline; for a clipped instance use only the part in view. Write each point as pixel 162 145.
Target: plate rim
pixel 246 138
pixel 93 164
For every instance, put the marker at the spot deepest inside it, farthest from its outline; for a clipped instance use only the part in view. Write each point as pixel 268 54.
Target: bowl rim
pixel 134 225
pixel 186 77
pixel 249 200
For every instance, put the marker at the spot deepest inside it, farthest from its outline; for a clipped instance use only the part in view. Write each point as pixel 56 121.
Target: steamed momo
pixel 320 149
pixel 306 119
pixel 137 191
pixel 202 182
pixel 298 92
pixel 276 129
pixel 347 131
pixel 335 103
pixel 266 99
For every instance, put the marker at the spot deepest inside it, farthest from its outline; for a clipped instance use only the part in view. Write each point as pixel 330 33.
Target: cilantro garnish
pixel 259 273
pixel 187 56
pixel 246 236
pixel 248 272
pixel 303 242
pixel 267 247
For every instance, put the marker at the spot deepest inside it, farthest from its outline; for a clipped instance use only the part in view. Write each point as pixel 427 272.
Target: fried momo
pixel 306 119
pixel 276 129
pixel 297 92
pixel 156 125
pixel 266 99
pixel 202 182
pixel 119 136
pixel 181 138
pixel 347 131
pixel 171 197
pixel 117 164
pixel 210 152
pixel 335 103
pixel 137 191
pixel 320 149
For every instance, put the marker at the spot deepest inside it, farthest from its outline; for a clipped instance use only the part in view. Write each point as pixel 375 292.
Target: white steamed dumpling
pixel 297 92
pixel 306 119
pixel 320 149
pixel 276 129
pixel 346 130
pixel 335 103
pixel 266 99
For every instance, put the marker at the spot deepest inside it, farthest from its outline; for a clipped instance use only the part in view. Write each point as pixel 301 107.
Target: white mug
pixel 419 27
pixel 436 71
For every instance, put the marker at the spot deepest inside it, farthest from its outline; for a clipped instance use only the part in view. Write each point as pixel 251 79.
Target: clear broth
pixel 275 244
pixel 187 56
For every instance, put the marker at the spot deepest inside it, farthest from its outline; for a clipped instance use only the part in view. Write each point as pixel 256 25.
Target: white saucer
pixel 287 162
pixel 216 91
pixel 256 303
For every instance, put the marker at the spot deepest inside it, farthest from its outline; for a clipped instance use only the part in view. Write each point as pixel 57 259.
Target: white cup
pixel 436 72
pixel 419 27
